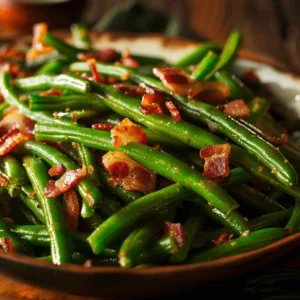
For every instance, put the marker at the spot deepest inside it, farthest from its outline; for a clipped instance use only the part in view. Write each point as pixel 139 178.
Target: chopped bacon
pixel 174 230
pixel 96 75
pixel 71 210
pixel 3 181
pixel 38 46
pixel 127 132
pixel 237 109
pixel 130 90
pixel 70 178
pixel 8 52
pixel 173 110
pixel 179 82
pixel 153 104
pixel 13 119
pixel 103 126
pixel 277 140
pixel 7 245
pixel 222 238
pixel 128 173
pixel 214 92
pixel 216 164
pixel 104 55
pixel 128 61
pixel 51 92
pixel 11 140
pixel 12 68
pixel 56 170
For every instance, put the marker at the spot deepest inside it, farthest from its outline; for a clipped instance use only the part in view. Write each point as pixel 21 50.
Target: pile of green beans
pixel 126 228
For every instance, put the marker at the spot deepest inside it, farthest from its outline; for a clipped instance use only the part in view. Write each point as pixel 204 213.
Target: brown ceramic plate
pixel 112 281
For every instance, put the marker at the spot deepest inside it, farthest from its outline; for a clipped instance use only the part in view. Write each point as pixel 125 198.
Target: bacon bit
pixel 277 140
pixel 88 263
pixel 125 76
pixel 3 181
pixel 74 144
pixel 91 169
pixel 174 230
pixel 128 173
pixel 179 82
pixel 7 245
pixel 38 47
pixel 12 139
pixel 214 92
pixel 71 210
pixel 128 61
pixel 216 164
pixel 127 132
pixel 96 75
pixel 56 170
pixel 156 147
pixel 260 169
pixel 130 90
pixel 112 80
pixel 32 195
pixel 8 52
pixel 237 109
pixel 103 126
pixel 12 68
pixel 104 55
pixel 173 110
pixel 152 104
pixel 51 92
pixel 70 178
pixel 222 238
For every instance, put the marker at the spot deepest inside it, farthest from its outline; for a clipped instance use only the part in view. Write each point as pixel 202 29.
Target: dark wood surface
pixel 270 27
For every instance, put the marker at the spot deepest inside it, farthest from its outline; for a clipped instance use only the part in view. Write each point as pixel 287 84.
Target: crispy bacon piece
pixel 153 104
pixel 128 173
pixel 175 114
pixel 179 82
pixel 95 74
pixel 104 55
pixel 103 126
pixel 216 164
pixel 3 181
pixel 222 238
pixel 38 47
pixel 12 139
pixel 71 210
pixel 127 132
pixel 237 109
pixel 130 90
pixel 8 52
pixel 51 92
pixel 56 170
pixel 174 230
pixel 70 178
pixel 214 92
pixel 7 245
pixel 128 61
pixel 12 119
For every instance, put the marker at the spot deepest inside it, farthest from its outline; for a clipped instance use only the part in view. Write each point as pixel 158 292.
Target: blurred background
pixel 270 27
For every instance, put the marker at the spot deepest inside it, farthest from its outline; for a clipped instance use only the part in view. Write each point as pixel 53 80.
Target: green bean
pixel 196 55
pixel 126 196
pixel 228 53
pixel 92 223
pixel 62 81
pixel 136 242
pixel 293 225
pixel 80 35
pixel 76 258
pixel 238 176
pixel 238 132
pixel 258 108
pixel 191 226
pixel 61 103
pixel 159 162
pixel 3 107
pixel 13 170
pixel 50 67
pixel 205 66
pixel 37 173
pixel 255 199
pixel 89 193
pixel 69 150
pixel 162 250
pixel 238 90
pixel 76 115
pixel 11 97
pixel 87 158
pixel 276 219
pixel 5 233
pixel 61 47
pixel 275 194
pixel 255 240
pixel 110 205
pixel 29 198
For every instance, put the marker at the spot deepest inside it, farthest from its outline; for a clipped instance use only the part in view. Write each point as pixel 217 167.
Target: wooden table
pixel 270 27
